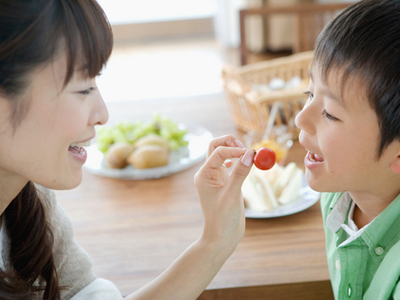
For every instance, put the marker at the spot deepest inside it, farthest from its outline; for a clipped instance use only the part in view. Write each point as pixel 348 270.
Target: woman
pixel 50 53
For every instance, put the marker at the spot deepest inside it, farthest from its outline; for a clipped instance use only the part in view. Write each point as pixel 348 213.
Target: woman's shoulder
pixel 57 217
pixel 73 263
pixel 48 196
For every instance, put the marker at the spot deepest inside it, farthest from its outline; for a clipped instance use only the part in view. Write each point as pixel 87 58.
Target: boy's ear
pixel 395 165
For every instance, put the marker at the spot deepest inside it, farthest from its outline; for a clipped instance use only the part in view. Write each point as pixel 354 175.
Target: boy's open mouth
pixel 314 157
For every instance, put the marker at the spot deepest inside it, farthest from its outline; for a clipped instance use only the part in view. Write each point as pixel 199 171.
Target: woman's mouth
pixel 78 151
pixel 312 160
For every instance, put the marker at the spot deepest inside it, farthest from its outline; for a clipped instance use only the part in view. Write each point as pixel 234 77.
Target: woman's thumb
pixel 241 169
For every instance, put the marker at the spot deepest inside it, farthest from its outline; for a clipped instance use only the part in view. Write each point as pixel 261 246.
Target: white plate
pixel 179 160
pixel 309 198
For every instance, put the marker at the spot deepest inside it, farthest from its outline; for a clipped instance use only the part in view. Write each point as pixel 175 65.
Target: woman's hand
pixel 223 209
pixel 220 192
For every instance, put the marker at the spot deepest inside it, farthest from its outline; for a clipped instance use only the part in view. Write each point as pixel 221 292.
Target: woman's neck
pixel 10 186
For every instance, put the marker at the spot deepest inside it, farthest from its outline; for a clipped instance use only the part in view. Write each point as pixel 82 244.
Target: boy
pixel 350 126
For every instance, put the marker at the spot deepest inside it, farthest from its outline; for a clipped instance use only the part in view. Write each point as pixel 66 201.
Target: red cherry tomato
pixel 264 159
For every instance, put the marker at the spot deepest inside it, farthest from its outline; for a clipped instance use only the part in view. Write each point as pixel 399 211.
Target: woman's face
pixel 46 147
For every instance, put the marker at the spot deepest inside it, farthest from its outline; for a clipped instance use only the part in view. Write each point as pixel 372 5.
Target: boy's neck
pixel 360 218
pixel 368 207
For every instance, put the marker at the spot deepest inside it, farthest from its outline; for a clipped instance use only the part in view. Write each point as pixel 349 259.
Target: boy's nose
pixel 304 119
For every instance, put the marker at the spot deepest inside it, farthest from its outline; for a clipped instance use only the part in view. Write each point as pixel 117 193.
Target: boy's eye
pixel 329 116
pixel 310 95
pixel 324 112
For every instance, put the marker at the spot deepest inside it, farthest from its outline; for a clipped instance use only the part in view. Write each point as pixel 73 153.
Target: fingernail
pixel 239 143
pixel 247 158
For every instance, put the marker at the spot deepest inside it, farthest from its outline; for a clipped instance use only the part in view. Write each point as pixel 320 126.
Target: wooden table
pixel 133 230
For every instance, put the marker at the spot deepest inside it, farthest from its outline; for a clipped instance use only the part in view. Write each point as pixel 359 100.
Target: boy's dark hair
pixel 364 42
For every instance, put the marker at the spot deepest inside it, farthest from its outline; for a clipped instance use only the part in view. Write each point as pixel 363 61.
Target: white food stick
pixel 291 192
pixel 267 190
pixel 270 193
pixel 253 194
pixel 284 178
pixel 273 174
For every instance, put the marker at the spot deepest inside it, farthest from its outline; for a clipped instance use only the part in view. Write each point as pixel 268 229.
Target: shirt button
pixel 349 291
pixel 379 250
pixel 337 264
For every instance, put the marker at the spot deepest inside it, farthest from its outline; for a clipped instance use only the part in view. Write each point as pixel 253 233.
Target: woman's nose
pixel 99 114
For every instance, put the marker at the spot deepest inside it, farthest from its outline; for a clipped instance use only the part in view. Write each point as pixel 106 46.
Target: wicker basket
pixel 250 109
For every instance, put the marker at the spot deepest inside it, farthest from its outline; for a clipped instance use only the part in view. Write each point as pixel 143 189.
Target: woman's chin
pixel 65 183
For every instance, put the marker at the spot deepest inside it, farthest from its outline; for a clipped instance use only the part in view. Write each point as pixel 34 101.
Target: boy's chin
pixel 319 186
pixel 323 189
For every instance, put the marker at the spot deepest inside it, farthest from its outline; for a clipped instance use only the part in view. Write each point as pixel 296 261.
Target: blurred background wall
pixel 176 48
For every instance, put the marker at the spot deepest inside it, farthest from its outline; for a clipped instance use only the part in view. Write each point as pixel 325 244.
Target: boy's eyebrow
pixel 338 100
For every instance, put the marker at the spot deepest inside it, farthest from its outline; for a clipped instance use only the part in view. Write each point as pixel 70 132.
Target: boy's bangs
pixel 87 36
pixel 340 47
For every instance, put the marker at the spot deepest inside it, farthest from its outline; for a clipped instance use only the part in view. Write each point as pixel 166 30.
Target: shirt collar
pixel 381 232
pixel 339 207
pixel 385 227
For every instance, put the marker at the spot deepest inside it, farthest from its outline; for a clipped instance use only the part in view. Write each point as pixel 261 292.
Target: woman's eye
pixel 87 92
pixel 329 116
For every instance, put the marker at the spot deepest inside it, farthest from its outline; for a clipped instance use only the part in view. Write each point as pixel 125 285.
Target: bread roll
pixel 149 156
pixel 117 154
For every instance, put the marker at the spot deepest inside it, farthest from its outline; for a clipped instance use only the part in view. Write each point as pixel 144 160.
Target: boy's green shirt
pixel 368 267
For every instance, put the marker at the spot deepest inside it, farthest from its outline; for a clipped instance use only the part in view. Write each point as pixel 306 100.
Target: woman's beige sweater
pixel 73 263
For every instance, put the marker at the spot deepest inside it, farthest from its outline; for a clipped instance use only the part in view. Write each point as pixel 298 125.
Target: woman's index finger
pixel 221 153
pixel 223 141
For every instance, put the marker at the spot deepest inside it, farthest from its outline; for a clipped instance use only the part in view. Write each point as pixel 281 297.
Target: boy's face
pixel 341 133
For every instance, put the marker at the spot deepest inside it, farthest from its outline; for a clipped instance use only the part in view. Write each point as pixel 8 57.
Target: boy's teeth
pixel 318 158
pixel 315 157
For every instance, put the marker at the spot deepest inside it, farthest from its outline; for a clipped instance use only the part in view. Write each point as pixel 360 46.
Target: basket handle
pixel 233 82
pixel 271 120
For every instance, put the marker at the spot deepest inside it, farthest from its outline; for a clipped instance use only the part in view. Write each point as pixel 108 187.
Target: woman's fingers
pixel 211 170
pixel 220 190
pixel 240 170
pixel 223 141
pixel 228 163
pixel 221 154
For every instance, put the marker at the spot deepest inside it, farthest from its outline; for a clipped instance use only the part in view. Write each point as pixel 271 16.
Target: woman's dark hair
pixel 364 42
pixel 30 249
pixel 32 34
